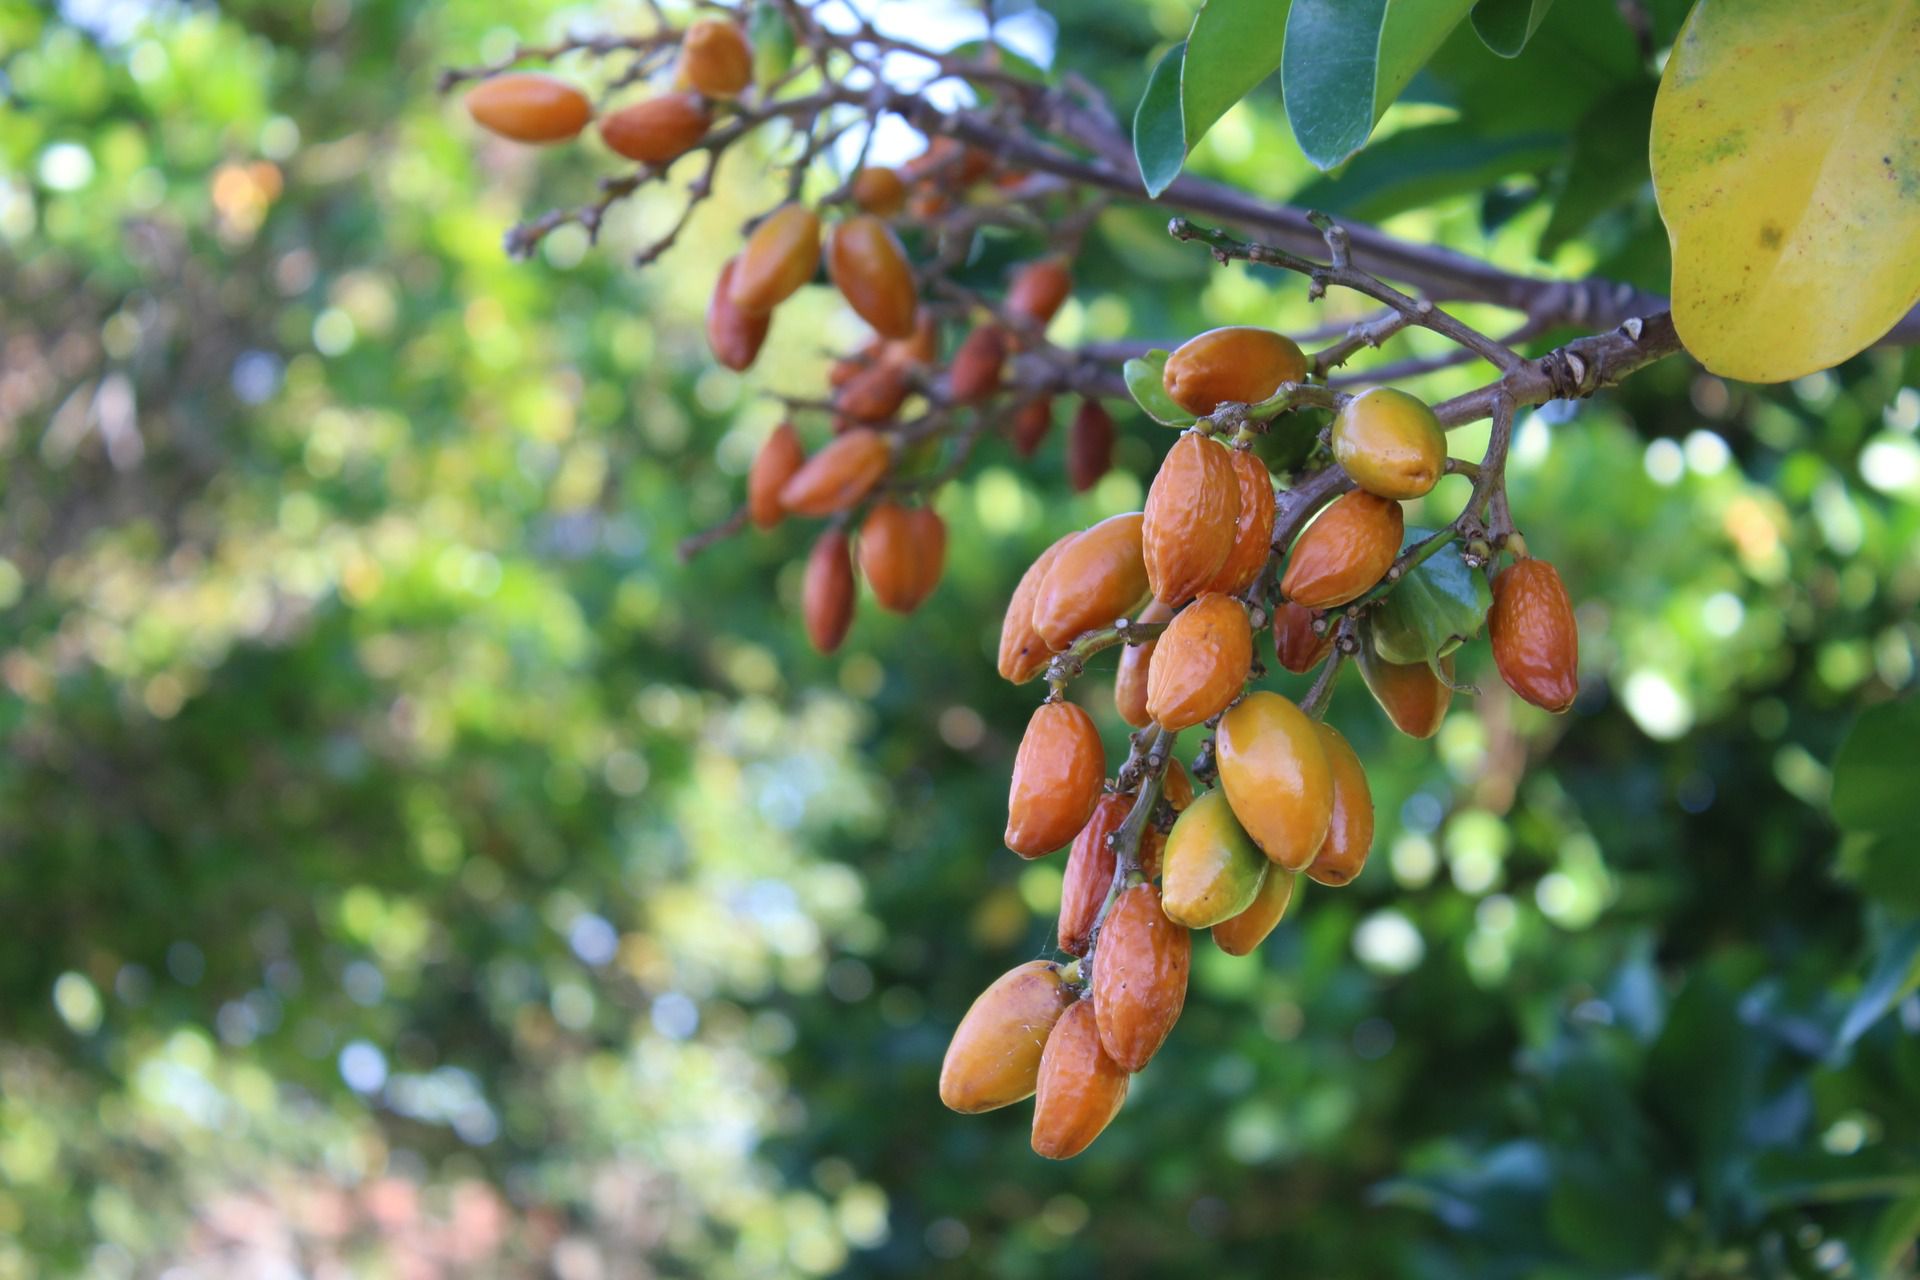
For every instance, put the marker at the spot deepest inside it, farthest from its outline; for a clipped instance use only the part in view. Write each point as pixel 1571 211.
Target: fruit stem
pixel 1154 759
pixel 1344 641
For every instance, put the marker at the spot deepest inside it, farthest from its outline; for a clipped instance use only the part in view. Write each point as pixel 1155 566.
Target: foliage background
pixel 411 868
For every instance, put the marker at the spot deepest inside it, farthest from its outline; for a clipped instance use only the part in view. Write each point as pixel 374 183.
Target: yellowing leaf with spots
pixel 1786 159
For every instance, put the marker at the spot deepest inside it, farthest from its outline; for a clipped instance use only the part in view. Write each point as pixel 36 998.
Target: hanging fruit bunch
pixel 1324 564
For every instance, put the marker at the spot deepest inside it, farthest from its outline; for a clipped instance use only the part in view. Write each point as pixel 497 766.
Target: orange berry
pixel 659 130
pixel 734 336
pixel 1038 289
pixel 1097 579
pixel 1412 696
pixel 529 108
pixel 1192 516
pixel 975 374
pixel 1346 550
pixel 715 58
pixel 879 191
pixel 1238 364
pixel 1089 873
pixel 1080 1089
pixel 1130 679
pixel 1200 662
pixel 1253 531
pixel 1139 977
pixel 994 1058
pixel 1089 445
pixel 773 466
pixel 1536 642
pixel 1023 651
pixel 826 595
pixel 1295 643
pixel 870 269
pixel 1056 779
pixel 1350 833
pixel 838 476
pixel 781 255
pixel 1276 776
pixel 1240 935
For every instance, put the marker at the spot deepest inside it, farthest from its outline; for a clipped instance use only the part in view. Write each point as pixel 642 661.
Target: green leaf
pixel 1606 164
pixel 1146 382
pixel 772 39
pixel 1233 46
pixel 1417 167
pixel 1783 1179
pixel 1505 26
pixel 1433 610
pixel 1873 773
pixel 1895 972
pixel 1347 60
pixel 1786 159
pixel 1159 129
pixel 1007 60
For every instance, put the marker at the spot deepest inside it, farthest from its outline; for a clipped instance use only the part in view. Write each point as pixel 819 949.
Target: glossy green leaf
pixel 1146 383
pixel 1873 774
pixel 1606 163
pixel 1234 45
pixel 1419 166
pixel 1896 971
pixel 1347 60
pixel 1437 607
pixel 1159 127
pixel 771 36
pixel 1505 26
pixel 1786 158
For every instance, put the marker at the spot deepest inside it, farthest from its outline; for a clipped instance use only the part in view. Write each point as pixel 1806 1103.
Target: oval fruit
pixel 1211 871
pixel 529 108
pixel 1192 515
pixel 657 131
pixel 1200 663
pixel 715 58
pixel 1030 426
pixel 874 393
pixel 1177 787
pixel 1350 834
pixel 1139 977
pixel 773 466
pixel 1235 365
pixel 1023 652
pixel 838 476
pixel 1390 443
pixel 826 594
pixel 1240 935
pixel 1413 698
pixel 889 556
pixel 1056 779
pixel 1344 552
pixel 1252 530
pixel 780 256
pixel 975 374
pixel 1276 777
pixel 1080 1089
pixel 1536 643
pixel 1038 289
pixel 1097 579
pixel 1089 445
pixel 930 536
pixel 1295 643
pixel 734 336
pixel 993 1059
pixel 868 266
pixel 1130 679
pixel 878 191
pixel 1089 874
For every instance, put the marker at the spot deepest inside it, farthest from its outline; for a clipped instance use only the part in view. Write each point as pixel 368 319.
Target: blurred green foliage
pixel 412 868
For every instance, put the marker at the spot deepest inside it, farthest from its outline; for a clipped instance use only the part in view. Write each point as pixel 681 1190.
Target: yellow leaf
pixel 1786 159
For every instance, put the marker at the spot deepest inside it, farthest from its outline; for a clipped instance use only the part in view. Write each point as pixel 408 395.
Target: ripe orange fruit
pixel 975 374
pixel 1089 873
pixel 1130 679
pixel 1038 289
pixel 1238 364
pixel 890 557
pixel 1200 662
pixel 1023 652
pixel 826 594
pixel 878 191
pixel 1192 515
pixel 1056 779
pixel 1139 977
pixel 1390 443
pixel 1350 833
pixel 657 131
pixel 773 466
pixel 1240 935
pixel 870 269
pixel 1080 1089
pixel 874 393
pixel 1276 776
pixel 734 336
pixel 994 1057
pixel 838 476
pixel 930 536
pixel 1097 579
pixel 1089 445
pixel 1536 643
pixel 780 256
pixel 1413 698
pixel 715 58
pixel 529 108
pixel 1346 550
pixel 1295 643
pixel 1252 531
